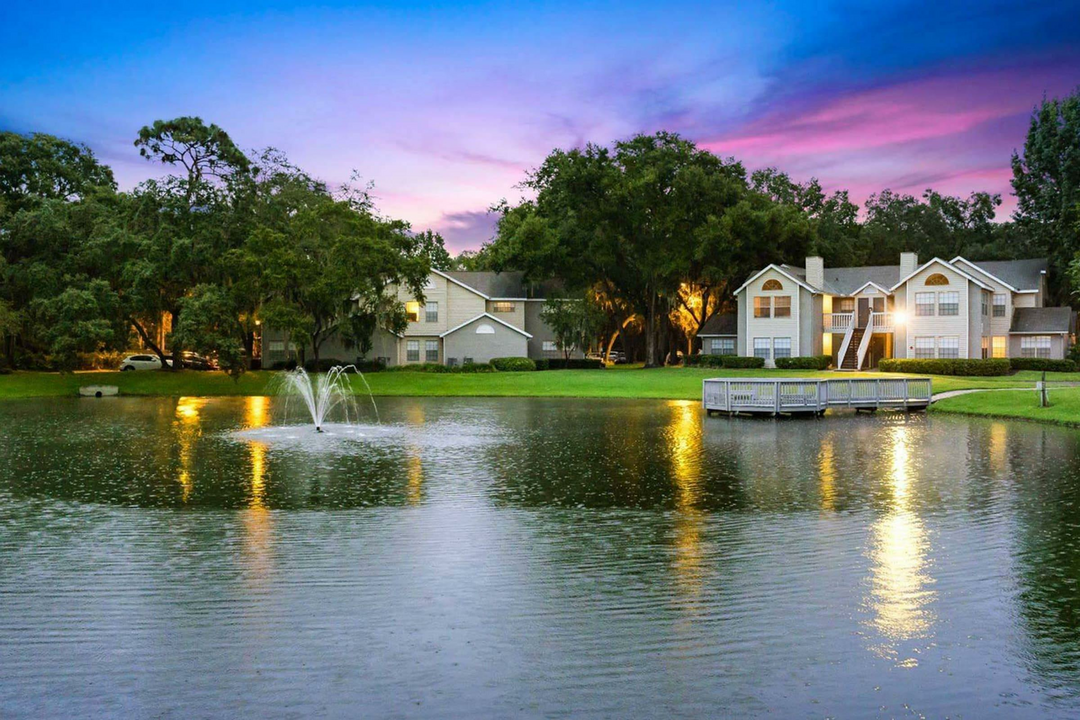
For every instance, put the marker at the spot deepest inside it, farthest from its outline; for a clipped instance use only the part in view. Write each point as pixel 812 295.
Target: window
pixel 781 347
pixel 550 346
pixel 844 305
pixel 484 329
pixel 503 307
pixel 1035 346
pixel 412 310
pixel 722 346
pixel 1000 302
pixel 937 279
pixel 431 351
pixel 998 346
pixel 985 347
pixel 772 285
pixel 276 346
pixel 985 301
pixel 924 304
pixel 412 351
pixel 949 347
pixel 924 347
pixel 762 307
pixel 948 303
pixel 782 306
pixel 431 312
pixel 761 348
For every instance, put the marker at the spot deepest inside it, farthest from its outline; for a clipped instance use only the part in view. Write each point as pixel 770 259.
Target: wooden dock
pixel 781 396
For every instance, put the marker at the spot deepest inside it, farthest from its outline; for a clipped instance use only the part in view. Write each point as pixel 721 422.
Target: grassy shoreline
pixel 618 382
pixel 1020 404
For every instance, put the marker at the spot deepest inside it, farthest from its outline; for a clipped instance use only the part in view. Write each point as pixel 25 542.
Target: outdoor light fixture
pixel 899 317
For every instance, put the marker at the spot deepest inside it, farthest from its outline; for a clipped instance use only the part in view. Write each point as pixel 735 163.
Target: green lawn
pixel 1064 405
pixel 620 382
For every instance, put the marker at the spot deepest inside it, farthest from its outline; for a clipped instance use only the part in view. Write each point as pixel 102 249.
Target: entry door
pixel 864 312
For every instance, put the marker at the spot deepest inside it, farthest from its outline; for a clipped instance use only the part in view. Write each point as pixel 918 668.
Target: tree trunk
pixel 651 350
pixel 149 343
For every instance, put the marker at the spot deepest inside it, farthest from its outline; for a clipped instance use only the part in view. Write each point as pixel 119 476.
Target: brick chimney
pixel 909 263
pixel 815 272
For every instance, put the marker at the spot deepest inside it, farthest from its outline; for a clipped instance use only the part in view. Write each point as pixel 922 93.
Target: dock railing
pixel 801 395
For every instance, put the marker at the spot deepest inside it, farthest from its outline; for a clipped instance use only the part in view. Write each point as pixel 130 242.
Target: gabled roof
pixel 1017 275
pixel 489 316
pixel 725 324
pixel 786 270
pixel 944 264
pixel 1049 320
pixel 508 285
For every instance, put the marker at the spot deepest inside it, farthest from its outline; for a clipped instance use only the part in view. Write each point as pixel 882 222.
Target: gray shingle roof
pixel 1021 274
pixel 725 324
pixel 1044 319
pixel 492 284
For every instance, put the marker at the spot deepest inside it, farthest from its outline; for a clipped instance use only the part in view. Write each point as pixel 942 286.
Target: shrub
pixel 734 362
pixel 809 362
pixel 475 367
pixel 1043 364
pixel 513 364
pixel 369 366
pixel 704 360
pixel 574 364
pixel 284 365
pixel 323 365
pixel 421 367
pixel 945 366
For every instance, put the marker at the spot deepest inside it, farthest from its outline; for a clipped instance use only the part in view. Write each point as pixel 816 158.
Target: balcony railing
pixel 837 322
pixel 881 322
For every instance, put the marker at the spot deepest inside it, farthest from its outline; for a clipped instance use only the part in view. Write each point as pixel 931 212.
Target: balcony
pixel 837 322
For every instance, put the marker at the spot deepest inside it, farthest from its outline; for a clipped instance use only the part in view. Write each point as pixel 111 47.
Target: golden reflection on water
pixel 997 450
pixel 684 434
pixel 188 427
pixel 414 469
pixel 900 598
pixel 257 519
pixel 827 473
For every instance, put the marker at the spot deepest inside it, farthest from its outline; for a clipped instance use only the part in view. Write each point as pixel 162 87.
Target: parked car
pixel 142 362
pixel 194 361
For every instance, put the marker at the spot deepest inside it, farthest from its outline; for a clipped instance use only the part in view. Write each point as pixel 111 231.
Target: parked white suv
pixel 142 362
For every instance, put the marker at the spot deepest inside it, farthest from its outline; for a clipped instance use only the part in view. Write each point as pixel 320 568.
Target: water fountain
pixel 323 393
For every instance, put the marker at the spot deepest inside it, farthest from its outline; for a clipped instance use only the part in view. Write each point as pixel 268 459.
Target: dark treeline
pixel 662 232
pixel 653 231
pixel 224 242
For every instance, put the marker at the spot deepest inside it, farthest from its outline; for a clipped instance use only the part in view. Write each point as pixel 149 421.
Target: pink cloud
pixel 906 112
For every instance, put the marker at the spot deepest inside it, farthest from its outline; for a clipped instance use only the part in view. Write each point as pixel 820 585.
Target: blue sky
pixel 444 106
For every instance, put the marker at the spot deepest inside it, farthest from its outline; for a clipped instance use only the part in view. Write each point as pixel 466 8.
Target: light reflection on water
pixel 596 558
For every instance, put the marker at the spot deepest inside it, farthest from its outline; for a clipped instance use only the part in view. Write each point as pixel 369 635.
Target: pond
pixel 534 558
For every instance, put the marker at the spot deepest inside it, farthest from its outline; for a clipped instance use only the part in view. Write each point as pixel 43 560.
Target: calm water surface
pixel 179 558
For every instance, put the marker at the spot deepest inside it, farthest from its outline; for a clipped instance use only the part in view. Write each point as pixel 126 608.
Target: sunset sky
pixel 444 106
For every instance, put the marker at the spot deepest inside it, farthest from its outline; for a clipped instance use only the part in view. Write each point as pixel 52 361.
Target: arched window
pixel 937 279
pixel 485 329
pixel 772 285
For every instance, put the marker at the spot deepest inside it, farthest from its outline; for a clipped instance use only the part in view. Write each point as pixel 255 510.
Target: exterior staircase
pixel 851 357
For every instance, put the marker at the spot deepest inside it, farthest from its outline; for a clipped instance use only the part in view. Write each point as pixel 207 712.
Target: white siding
pixel 771 327
pixel 937 325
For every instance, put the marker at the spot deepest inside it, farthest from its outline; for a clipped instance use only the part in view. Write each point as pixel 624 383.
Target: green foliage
pixel 207 323
pixel 723 361
pixel 735 362
pixel 41 167
pixel 810 362
pixel 471 367
pixel 1066 365
pixel 203 150
pixel 939 366
pixel 569 364
pixel 513 364
pixel 1046 180
pixel 574 323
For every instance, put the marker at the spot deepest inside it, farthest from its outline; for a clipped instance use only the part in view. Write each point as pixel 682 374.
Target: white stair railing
pixel 864 344
pixel 844 345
